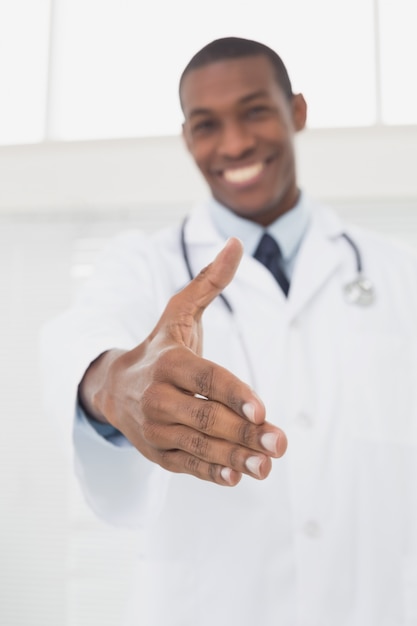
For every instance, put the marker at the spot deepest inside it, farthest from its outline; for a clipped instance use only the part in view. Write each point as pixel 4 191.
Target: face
pixel 239 128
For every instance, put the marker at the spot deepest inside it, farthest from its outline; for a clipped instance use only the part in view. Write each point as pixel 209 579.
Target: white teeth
pixel 243 174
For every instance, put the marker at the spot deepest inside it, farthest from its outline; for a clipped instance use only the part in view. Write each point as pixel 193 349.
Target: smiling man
pixel 180 437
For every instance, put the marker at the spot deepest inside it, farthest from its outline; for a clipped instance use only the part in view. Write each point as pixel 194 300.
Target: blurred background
pixel 90 145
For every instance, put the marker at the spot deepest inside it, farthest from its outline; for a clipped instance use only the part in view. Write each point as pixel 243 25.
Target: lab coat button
pixel 303 420
pixel 312 529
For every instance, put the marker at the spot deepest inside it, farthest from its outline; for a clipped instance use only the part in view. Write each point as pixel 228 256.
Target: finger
pixel 174 459
pixel 215 451
pixel 181 462
pixel 183 369
pixel 168 406
pixel 210 282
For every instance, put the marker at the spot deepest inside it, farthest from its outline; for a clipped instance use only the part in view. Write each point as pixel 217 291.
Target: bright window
pixel 111 68
pixel 24 47
pixel 398 61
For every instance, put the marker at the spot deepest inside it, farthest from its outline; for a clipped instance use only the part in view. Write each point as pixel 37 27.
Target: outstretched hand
pixel 179 410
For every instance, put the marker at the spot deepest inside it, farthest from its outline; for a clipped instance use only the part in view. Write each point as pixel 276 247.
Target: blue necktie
pixel 269 254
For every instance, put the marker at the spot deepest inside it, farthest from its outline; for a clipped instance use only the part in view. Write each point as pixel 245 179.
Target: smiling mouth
pixel 244 175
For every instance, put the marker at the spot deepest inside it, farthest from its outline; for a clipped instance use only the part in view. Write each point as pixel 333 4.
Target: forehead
pixel 227 83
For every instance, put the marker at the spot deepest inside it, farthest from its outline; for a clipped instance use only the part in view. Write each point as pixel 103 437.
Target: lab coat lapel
pixel 318 259
pixel 203 241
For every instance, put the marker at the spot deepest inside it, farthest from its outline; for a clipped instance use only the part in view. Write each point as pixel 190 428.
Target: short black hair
pixel 235 48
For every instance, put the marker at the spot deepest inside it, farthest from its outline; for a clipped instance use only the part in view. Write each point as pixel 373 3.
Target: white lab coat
pixel 330 537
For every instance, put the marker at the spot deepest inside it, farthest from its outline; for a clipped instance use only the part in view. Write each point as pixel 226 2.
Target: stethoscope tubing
pixel 364 288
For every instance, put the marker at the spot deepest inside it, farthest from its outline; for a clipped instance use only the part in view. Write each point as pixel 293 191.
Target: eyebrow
pixel 254 96
pixel 245 100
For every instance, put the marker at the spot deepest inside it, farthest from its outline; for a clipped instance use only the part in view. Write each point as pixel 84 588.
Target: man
pixel 165 421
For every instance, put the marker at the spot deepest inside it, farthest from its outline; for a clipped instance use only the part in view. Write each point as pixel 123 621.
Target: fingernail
pixel 249 411
pixel 225 473
pixel 253 463
pixel 270 442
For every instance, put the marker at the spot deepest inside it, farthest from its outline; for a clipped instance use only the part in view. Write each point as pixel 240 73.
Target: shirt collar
pixel 288 230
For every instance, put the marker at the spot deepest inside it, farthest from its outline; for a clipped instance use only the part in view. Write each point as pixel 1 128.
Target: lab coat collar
pixel 317 260
pixel 201 230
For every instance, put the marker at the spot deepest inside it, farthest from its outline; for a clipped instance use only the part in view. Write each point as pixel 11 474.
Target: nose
pixel 235 141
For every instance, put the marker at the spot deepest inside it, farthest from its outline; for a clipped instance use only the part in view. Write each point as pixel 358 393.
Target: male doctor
pixel 179 434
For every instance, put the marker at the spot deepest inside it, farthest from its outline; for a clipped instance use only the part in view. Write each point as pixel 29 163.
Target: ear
pixel 299 111
pixel 186 136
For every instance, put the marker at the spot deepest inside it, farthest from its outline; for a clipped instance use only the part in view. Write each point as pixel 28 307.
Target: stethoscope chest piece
pixel 360 291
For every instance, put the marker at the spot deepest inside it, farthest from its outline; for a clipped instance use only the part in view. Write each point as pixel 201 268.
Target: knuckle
pixel 149 431
pixel 198 445
pixel 234 403
pixel 167 460
pixel 235 457
pixel 212 472
pixel 151 399
pixel 179 462
pixel 204 381
pixel 204 416
pixel 245 433
pixel 193 443
pixel 167 360
pixel 234 398
pixel 181 439
pixel 192 464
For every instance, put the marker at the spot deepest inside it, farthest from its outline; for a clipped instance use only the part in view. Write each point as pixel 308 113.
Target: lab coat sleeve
pixel 116 308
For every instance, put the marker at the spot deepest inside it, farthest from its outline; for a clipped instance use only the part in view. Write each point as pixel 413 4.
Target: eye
pixel 203 127
pixel 258 111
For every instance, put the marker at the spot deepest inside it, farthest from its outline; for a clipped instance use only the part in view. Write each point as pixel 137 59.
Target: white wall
pixel 344 165
pixel 58 204
pixel 369 174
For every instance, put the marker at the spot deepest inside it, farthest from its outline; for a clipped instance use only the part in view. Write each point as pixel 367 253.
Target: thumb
pixel 211 281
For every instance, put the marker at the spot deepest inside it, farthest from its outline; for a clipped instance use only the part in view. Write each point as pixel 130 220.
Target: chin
pixel 254 211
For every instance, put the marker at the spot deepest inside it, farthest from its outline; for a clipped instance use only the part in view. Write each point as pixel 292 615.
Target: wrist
pixel 92 391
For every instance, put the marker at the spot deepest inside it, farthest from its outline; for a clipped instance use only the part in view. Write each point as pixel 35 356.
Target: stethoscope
pixel 359 291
